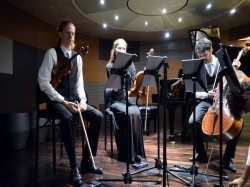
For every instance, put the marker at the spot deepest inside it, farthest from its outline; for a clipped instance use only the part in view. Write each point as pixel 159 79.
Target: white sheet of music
pixel 120 62
pixel 191 66
pixel 152 64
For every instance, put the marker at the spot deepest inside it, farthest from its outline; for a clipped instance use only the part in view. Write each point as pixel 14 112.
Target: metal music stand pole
pixel 165 170
pixel 155 73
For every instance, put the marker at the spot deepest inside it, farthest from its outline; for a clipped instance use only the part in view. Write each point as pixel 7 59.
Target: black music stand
pixel 119 76
pixel 151 79
pixel 165 93
pixel 227 70
pixel 192 75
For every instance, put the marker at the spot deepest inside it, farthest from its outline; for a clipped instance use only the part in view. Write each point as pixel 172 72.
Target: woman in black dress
pixel 118 106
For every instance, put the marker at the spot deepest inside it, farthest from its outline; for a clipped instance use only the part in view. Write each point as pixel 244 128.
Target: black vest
pixel 67 86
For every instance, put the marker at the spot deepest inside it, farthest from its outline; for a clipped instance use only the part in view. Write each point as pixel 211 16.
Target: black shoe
pixel 76 178
pixel 200 157
pixel 87 167
pixel 228 164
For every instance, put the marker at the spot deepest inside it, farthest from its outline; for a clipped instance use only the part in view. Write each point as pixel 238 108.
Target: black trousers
pixel 67 126
pixel 201 109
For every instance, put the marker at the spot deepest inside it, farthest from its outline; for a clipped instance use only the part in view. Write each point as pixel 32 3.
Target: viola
pixel 64 67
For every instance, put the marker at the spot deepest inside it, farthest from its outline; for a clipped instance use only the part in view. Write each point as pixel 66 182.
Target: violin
pixel 230 126
pixel 64 67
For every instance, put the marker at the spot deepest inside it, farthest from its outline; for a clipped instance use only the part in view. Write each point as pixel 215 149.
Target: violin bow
pixel 85 133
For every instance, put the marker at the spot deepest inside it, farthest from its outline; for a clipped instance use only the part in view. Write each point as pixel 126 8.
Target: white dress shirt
pixel 44 75
pixel 212 70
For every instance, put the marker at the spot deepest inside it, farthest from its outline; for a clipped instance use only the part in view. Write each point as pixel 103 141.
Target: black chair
pixel 43 112
pixel 149 113
pixel 108 114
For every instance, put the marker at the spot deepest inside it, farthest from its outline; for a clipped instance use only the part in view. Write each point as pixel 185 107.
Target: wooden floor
pixel 17 167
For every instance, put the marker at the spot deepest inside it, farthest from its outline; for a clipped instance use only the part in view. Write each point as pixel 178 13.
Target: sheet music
pixel 121 60
pixel 191 66
pixel 154 64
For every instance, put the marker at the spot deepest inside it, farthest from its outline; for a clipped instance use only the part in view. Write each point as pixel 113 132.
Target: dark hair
pixel 202 45
pixel 63 24
pixel 61 27
pixel 235 102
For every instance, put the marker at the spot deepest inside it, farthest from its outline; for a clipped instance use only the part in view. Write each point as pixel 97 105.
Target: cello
pixel 231 126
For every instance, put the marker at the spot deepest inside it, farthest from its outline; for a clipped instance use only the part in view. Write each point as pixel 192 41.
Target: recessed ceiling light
pixel 104 25
pixel 180 19
pixel 209 5
pixel 164 11
pixel 102 2
pixel 167 35
pixel 232 11
pixel 146 23
pixel 116 17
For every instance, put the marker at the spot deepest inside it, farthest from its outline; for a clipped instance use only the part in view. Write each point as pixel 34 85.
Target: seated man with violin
pixel 63 96
pixel 204 50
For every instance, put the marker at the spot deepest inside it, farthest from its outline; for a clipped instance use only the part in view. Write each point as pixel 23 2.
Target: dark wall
pixel 17 91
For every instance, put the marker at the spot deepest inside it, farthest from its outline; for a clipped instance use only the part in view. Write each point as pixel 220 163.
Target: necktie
pixel 209 69
pixel 67 55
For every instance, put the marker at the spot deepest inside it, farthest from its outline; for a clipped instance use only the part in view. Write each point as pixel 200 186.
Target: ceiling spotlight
pixel 180 19
pixel 167 35
pixel 102 2
pixel 104 25
pixel 232 11
pixel 209 5
pixel 164 11
pixel 146 23
pixel 116 17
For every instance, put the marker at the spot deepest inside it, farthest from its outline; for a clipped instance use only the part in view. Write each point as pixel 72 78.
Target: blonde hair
pixel 115 44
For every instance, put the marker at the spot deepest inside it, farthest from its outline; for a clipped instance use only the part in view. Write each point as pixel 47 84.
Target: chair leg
pixel 105 131
pixel 111 136
pixel 37 144
pixel 54 146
